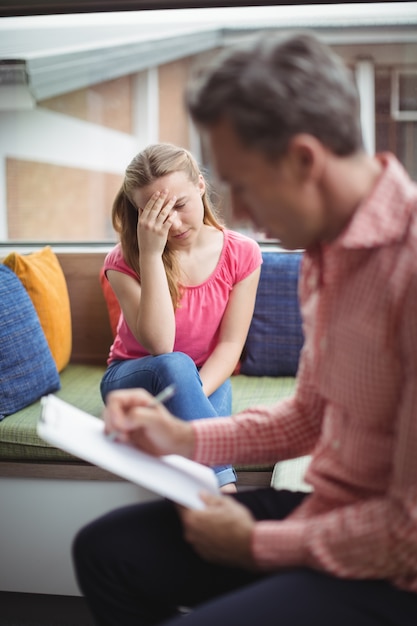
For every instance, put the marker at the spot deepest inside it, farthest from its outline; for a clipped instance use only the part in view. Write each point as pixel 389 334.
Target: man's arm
pixel 374 538
pixel 133 417
pixel 233 332
pixel 264 434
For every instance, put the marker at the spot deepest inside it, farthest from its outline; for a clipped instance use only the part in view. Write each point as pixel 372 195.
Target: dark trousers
pixel 134 568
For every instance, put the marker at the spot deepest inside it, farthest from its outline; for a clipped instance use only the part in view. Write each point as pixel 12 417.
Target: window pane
pixel 408 91
pixel 393 135
pixel 80 95
pixel 47 202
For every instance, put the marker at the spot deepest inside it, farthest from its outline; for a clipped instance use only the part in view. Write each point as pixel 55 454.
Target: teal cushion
pixel 275 335
pixel 27 369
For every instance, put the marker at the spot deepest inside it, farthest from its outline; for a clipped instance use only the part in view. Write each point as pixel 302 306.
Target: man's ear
pixel 307 156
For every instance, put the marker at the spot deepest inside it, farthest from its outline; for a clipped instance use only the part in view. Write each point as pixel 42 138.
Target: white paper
pixel 172 476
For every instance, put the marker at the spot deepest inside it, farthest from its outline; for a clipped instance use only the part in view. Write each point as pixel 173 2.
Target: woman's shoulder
pixel 242 253
pixel 115 256
pixel 115 261
pixel 240 243
pixel 236 236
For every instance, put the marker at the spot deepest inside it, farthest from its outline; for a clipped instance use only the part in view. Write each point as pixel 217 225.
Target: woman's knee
pixel 150 372
pixel 175 366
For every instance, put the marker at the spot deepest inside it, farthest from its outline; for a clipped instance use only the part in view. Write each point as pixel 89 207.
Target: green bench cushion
pixel 251 391
pixel 256 390
pixel 80 385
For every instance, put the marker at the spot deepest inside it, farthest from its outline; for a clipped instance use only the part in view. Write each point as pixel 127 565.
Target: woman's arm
pixel 130 296
pixel 233 332
pixel 147 306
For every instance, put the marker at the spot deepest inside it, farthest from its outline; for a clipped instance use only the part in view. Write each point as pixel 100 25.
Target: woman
pixel 186 286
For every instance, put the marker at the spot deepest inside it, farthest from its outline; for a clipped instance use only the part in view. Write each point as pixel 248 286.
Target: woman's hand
pixel 154 222
pixel 133 416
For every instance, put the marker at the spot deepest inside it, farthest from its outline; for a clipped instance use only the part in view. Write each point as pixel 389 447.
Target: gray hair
pixel 274 87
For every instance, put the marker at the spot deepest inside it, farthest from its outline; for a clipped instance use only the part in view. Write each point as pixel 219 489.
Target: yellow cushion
pixel 44 280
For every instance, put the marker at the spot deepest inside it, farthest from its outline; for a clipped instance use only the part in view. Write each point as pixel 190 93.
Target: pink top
pixel 355 405
pixel 201 310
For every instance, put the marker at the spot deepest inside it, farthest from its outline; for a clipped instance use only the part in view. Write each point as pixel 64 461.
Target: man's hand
pixel 134 418
pixel 220 533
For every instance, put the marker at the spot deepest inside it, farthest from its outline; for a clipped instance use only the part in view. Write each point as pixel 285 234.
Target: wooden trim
pixel 84 471
pixel 258 479
pixel 55 470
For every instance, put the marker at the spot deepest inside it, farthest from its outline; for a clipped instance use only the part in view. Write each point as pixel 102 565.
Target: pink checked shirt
pixel 355 405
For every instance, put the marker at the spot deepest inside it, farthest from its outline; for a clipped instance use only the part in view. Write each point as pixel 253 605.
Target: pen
pixel 163 396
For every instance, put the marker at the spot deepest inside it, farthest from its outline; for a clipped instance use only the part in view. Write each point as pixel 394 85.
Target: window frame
pixel 398 114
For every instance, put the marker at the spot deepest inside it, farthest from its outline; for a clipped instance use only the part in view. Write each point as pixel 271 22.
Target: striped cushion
pixel 27 368
pixel 275 335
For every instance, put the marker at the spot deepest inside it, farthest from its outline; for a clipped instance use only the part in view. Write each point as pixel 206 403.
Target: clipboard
pixel 81 434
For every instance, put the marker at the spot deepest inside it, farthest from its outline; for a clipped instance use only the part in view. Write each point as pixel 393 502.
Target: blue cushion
pixel 27 369
pixel 275 335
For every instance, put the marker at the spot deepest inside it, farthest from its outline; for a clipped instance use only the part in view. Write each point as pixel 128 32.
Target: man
pixel 281 119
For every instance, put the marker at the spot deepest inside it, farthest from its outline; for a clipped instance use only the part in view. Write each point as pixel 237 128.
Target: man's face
pixel 276 195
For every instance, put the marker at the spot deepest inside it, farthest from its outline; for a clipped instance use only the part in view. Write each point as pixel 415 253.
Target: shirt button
pixel 312 282
pixel 336 444
pixel 323 343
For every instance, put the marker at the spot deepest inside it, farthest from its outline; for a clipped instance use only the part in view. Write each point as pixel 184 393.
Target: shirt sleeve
pixel 263 434
pixel 243 255
pixel 114 261
pixel 374 538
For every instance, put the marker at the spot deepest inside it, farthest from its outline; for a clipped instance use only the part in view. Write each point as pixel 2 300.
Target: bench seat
pixel 80 386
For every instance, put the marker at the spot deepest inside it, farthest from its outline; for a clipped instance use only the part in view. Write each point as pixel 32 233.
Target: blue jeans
pixel 154 373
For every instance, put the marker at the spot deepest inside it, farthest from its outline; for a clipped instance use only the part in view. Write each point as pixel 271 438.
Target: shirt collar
pixel 382 218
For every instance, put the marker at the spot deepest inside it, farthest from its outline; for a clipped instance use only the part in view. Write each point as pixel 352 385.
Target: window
pixel 80 94
pixel 404 94
pixel 396 128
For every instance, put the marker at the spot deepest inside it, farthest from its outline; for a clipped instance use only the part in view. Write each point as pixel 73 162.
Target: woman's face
pixel 188 205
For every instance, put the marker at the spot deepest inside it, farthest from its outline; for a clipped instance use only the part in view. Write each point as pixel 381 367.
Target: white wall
pixel 146 107
pixel 365 80
pixel 39 519
pixel 46 136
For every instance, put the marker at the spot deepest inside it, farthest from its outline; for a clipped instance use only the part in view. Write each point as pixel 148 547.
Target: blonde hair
pixel 153 162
